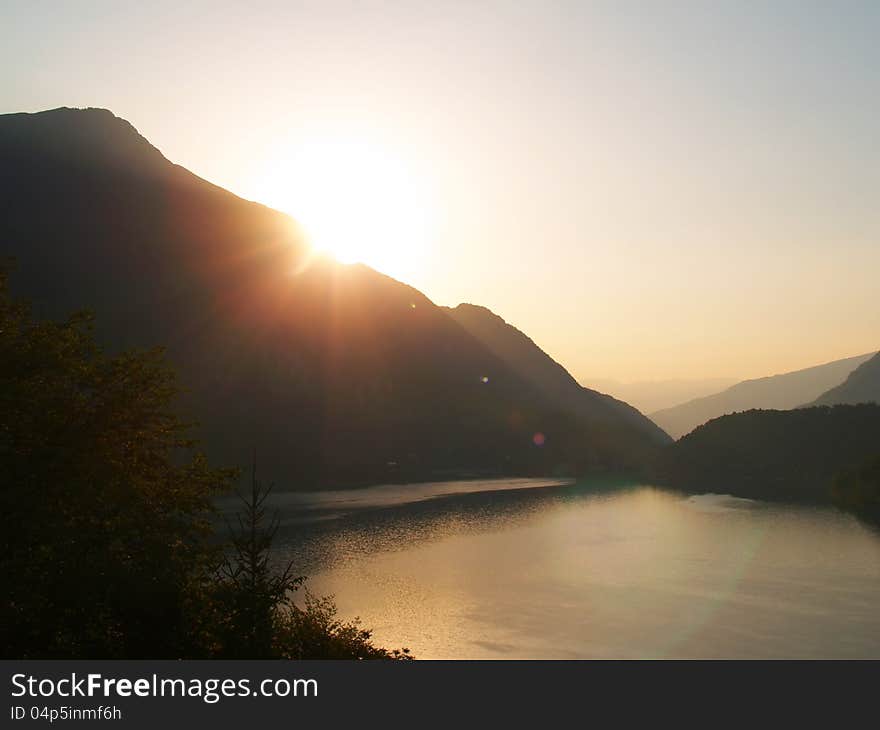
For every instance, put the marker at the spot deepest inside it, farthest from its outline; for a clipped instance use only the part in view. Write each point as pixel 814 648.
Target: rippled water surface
pixel 550 569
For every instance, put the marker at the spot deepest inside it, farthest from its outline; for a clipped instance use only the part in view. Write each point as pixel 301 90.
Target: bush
pixel 314 632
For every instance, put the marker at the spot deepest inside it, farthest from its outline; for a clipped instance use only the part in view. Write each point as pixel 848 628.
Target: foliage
pixel 248 591
pixel 257 617
pixel 103 500
pixel 858 490
pixel 106 545
pixel 313 631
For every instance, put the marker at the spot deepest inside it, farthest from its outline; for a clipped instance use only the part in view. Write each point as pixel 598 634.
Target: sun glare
pixel 354 199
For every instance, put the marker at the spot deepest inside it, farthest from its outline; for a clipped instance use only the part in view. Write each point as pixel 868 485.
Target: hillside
pixel 861 386
pixel 782 455
pixel 335 374
pixel 778 392
pixel 534 365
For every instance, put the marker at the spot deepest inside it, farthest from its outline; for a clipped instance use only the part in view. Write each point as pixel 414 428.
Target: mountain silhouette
pixel 335 374
pixel 861 386
pixel 776 392
pixel 776 455
pixel 534 365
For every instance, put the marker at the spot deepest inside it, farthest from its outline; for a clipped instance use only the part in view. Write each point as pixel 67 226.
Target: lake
pixel 555 570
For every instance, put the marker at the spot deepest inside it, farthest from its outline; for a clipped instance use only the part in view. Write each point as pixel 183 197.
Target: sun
pixel 354 198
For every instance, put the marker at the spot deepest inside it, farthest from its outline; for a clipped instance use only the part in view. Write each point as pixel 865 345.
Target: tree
pixel 257 616
pixel 106 541
pixel 103 498
pixel 249 591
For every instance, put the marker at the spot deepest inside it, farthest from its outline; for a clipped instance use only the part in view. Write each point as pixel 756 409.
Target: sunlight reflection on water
pixel 500 570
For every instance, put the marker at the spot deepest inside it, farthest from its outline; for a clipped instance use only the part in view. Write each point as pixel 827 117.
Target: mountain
pixel 531 363
pixel 780 392
pixel 335 374
pixel 861 386
pixel 776 455
pixel 654 395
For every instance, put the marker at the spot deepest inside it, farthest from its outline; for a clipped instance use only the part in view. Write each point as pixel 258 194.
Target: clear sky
pixel 649 190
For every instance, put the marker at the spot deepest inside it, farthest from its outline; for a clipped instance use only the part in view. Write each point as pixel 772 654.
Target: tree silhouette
pixel 104 500
pixel 251 592
pixel 257 615
pixel 106 541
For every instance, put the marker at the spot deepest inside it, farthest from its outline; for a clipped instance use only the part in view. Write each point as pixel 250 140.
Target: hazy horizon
pixel 650 194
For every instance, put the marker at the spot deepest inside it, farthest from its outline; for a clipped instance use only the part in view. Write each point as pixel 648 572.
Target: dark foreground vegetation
pixel 822 455
pixel 106 547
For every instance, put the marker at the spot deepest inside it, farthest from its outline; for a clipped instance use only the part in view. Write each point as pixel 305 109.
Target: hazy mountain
pixel 653 395
pixel 765 454
pixel 861 386
pixel 534 365
pixel 335 374
pixel 788 390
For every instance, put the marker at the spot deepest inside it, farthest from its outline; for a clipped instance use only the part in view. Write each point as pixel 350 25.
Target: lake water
pixel 551 569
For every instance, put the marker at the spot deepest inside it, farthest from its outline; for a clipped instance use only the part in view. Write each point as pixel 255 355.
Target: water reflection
pixel 322 531
pixel 596 570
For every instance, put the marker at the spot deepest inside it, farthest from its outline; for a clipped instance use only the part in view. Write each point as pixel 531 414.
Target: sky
pixel 649 190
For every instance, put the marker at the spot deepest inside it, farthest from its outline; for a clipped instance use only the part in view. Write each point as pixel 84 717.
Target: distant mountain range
pixel 788 390
pixel 861 386
pixel 655 395
pixel 336 374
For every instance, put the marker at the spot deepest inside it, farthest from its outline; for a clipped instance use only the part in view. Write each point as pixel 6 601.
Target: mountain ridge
pixel 524 355
pixel 336 374
pixel 774 392
pixel 862 385
pixel 779 455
